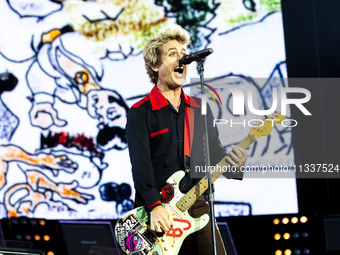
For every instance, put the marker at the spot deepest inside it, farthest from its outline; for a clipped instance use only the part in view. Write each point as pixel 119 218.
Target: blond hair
pixel 153 47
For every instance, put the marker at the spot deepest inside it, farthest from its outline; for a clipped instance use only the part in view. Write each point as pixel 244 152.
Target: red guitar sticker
pixel 178 232
pixel 174 232
pixel 184 221
pixel 167 193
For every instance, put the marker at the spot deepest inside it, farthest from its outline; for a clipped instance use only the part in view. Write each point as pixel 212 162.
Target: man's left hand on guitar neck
pixel 237 156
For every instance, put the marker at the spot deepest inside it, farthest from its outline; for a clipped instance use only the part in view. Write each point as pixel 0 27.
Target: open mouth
pixel 179 69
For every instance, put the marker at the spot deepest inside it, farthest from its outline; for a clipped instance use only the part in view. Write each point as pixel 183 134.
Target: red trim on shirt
pixel 164 130
pixel 188 130
pixel 141 101
pixel 158 101
pixel 155 204
pixel 189 100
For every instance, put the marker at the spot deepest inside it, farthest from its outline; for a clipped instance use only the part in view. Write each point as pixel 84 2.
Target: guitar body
pixel 133 233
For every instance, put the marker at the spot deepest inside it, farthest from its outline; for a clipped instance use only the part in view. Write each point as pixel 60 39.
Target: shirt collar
pixel 158 101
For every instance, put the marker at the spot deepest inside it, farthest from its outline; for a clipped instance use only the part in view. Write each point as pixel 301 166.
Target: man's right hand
pixel 160 219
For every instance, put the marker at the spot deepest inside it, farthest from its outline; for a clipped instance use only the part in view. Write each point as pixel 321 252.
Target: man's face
pixel 170 74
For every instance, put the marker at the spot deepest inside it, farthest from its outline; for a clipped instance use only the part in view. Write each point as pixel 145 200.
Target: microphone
pixel 196 56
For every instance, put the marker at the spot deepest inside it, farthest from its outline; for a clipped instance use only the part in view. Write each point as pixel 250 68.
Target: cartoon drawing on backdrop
pixel 8 121
pixel 75 114
pixel 60 73
pixel 195 18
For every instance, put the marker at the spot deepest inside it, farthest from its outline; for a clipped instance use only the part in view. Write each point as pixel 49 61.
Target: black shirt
pixel 155 134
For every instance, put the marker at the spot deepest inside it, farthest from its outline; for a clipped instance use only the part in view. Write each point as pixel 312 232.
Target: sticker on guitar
pixel 131 224
pixel 178 232
pixel 134 242
pixel 167 193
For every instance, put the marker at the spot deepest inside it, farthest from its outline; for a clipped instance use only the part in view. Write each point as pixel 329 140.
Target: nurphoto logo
pixel 242 100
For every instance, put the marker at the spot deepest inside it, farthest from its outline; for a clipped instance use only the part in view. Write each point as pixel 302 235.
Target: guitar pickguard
pixel 133 233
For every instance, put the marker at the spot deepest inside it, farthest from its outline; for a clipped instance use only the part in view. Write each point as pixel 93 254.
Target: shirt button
pixel 181 141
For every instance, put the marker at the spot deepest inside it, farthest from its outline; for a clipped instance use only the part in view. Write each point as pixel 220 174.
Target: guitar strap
pixel 188 135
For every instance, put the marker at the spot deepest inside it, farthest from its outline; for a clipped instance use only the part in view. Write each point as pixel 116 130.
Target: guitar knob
pixel 163 239
pixel 155 253
pixel 166 248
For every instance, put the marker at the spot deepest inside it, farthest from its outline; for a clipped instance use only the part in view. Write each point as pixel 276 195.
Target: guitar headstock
pixel 264 127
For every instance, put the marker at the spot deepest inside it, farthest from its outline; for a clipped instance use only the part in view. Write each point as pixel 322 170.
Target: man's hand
pixel 237 157
pixel 160 219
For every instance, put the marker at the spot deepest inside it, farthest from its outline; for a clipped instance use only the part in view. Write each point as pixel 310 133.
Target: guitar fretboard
pixel 195 192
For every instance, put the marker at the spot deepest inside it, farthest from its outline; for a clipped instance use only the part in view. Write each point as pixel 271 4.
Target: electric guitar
pixel 132 232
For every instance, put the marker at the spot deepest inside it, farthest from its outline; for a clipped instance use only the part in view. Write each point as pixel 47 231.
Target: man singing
pixel 158 141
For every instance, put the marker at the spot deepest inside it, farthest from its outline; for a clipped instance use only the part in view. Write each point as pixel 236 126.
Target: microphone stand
pixel 200 69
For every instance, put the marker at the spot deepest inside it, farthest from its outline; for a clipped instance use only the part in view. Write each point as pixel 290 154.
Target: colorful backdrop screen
pixel 70 70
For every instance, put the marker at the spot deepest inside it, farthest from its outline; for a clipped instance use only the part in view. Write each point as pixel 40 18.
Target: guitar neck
pixel 195 192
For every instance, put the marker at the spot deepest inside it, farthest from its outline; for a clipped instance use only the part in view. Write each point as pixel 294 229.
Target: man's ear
pixel 154 67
